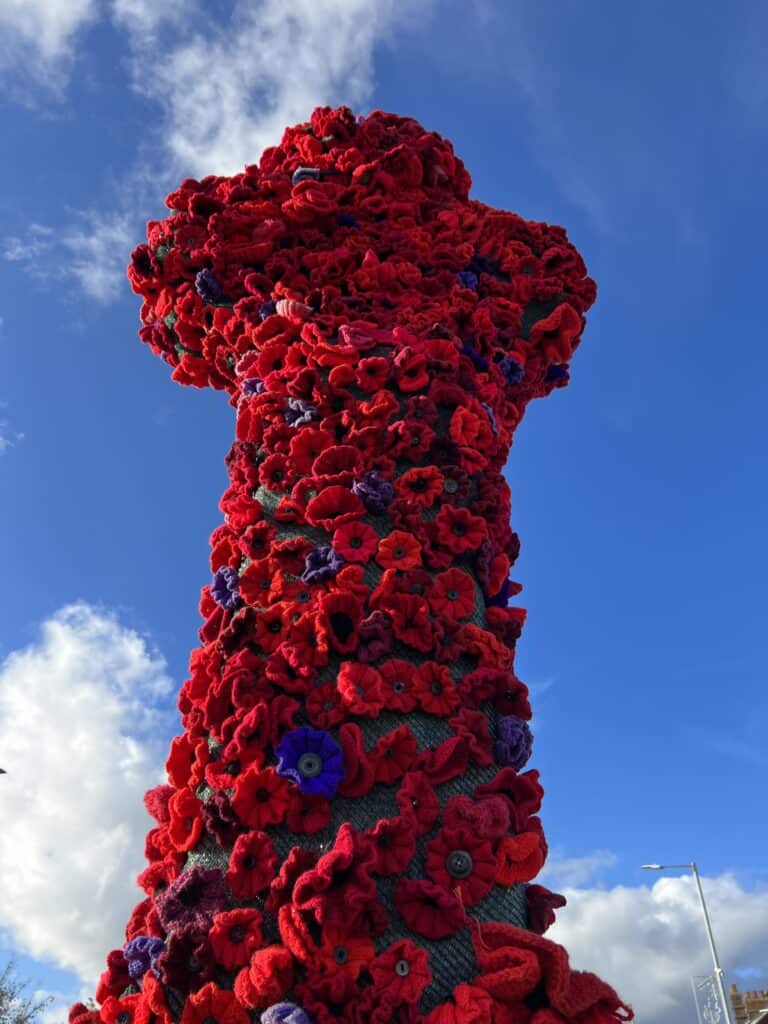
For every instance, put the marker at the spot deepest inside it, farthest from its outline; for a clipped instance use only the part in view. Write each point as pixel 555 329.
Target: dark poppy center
pixel 262 795
pixel 436 687
pixel 249 862
pixel 342 625
pixel 275 626
pixel 355 542
pixel 237 933
pixel 340 955
pixel 398 686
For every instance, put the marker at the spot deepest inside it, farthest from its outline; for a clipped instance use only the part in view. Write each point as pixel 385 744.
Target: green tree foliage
pixel 15 1006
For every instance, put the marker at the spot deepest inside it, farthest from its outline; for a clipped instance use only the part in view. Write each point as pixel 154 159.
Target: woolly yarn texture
pixel 349 831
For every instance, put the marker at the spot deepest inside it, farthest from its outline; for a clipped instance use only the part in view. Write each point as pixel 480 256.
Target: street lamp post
pixel 718 969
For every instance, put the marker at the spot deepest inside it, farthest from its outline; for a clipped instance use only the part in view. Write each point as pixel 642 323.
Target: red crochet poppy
pixel 340 887
pixel 421 485
pixel 340 616
pixel 333 507
pixel 428 909
pixel 463 863
pixel 453 594
pixel 186 825
pixel 458 530
pixel 519 858
pixel 399 550
pixel 251 865
pixel 342 950
pixel 434 689
pixel 418 802
pixel 234 935
pixel 360 688
pixel 394 840
pixel 393 754
pixel 266 980
pixel 398 685
pixel 401 972
pixel 356 542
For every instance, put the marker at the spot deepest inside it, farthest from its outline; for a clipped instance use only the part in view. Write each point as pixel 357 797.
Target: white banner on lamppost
pixel 707 999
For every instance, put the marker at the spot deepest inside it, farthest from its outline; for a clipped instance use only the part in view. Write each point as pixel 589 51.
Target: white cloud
pixel 648 942
pixel 228 91
pixel 9 437
pixel 92 251
pixel 81 709
pixel 37 36
pixel 560 870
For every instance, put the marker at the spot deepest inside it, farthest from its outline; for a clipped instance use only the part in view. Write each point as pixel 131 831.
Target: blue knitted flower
pixel 313 759
pixel 375 492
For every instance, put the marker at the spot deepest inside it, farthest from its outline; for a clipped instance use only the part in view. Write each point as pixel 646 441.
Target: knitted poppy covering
pixel 349 832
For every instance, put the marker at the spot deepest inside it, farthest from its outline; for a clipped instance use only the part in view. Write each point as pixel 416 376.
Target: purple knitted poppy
pixel 207 287
pixel 313 759
pixel 254 386
pixel 514 743
pixel 512 370
pixel 285 1013
pixel 191 900
pixel 321 564
pixel 299 412
pixel 375 492
pixel 225 589
pixel 141 954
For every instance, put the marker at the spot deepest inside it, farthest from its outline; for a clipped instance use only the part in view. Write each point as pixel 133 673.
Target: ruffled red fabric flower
pixel 458 530
pixel 428 909
pixel 234 935
pixel 463 863
pixel 266 980
pixel 394 840
pixel 251 865
pixel 355 542
pixel 333 507
pixel 186 824
pixel 260 797
pixel 360 688
pixel 434 689
pixel 401 972
pixel 519 858
pixel 453 594
pixel 400 551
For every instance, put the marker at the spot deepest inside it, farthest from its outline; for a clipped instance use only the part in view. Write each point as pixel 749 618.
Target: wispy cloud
pixel 83 723
pixel 561 871
pixel 9 437
pixel 37 40
pixel 91 253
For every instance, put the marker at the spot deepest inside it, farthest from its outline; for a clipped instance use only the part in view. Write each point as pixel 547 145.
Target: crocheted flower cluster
pixel 348 800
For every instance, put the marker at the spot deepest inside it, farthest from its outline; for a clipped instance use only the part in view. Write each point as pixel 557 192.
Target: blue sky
pixel 638 492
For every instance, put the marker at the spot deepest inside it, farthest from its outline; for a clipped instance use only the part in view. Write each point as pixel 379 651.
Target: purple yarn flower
pixel 500 600
pixel 478 361
pixel 512 370
pixel 141 954
pixel 557 372
pixel 267 309
pixel 348 221
pixel 192 900
pixel 375 492
pixel 208 288
pixel 491 417
pixel 285 1013
pixel 321 564
pixel 225 589
pixel 254 386
pixel 513 747
pixel 313 759
pixel 467 279
pixel 486 265
pixel 299 412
